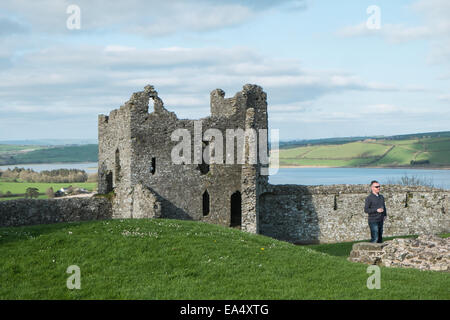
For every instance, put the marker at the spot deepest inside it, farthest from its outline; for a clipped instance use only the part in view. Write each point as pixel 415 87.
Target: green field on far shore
pixel 19 188
pixel 431 150
pixel 427 152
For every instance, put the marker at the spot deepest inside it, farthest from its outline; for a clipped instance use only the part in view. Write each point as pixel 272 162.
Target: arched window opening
pixel 117 166
pixel 153 166
pixel 204 167
pixel 109 182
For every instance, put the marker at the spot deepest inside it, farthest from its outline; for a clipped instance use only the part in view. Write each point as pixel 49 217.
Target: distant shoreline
pixel 413 168
pixel 42 163
pixel 282 166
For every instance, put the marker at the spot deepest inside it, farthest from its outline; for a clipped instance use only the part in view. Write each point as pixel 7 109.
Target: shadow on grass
pixel 12 234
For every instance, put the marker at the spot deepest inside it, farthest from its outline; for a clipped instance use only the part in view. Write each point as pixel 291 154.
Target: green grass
pixel 327 163
pixel 21 187
pixel 297 152
pixel 437 145
pixel 11 147
pixel 349 150
pixel 439 157
pixel 171 259
pixel 42 196
pixel 370 153
pixel 83 153
pixel 12 155
pixel 399 156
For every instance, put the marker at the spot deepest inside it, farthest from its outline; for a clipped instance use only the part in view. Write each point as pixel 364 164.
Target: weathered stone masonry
pixel 134 160
pixel 427 252
pixel 135 163
pixel 31 211
pixel 309 214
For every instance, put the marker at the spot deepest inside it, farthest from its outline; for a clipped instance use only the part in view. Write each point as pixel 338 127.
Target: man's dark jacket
pixel 372 204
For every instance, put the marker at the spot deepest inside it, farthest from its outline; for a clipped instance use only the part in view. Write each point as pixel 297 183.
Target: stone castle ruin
pixel 136 167
pixel 135 160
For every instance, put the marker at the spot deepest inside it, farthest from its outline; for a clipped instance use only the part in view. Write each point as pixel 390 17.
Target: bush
pixel 92 177
pixel 412 181
pixel 57 176
pixel 419 162
pixel 50 193
pixel 10 175
pixel 110 195
pixel 32 193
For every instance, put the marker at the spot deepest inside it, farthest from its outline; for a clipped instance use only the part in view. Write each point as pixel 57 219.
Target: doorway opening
pixel 236 210
pixel 205 203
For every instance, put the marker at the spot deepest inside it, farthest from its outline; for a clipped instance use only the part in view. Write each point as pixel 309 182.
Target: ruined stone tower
pixel 135 160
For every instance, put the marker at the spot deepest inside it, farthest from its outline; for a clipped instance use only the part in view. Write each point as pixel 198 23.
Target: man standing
pixel 375 207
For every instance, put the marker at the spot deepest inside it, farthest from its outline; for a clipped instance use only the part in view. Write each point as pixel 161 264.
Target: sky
pixel 329 68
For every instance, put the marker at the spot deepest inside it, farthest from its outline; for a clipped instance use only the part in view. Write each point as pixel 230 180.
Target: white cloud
pixel 117 48
pixel 440 52
pixel 390 109
pixel 294 107
pixel 444 97
pixel 86 78
pixel 435 28
pixel 68 78
pixel 9 27
pixel 148 17
pixel 394 33
pixel 204 18
pixel 381 113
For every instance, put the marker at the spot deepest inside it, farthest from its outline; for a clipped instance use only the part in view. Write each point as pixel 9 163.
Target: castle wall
pixel 311 214
pixel 178 190
pixel 152 185
pixel 114 146
pixel 115 160
pixel 43 211
pixel 180 187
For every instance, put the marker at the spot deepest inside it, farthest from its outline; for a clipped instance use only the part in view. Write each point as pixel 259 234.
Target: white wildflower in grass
pixel 127 233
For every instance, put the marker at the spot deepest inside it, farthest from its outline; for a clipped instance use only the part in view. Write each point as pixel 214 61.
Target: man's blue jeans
pixel 376 231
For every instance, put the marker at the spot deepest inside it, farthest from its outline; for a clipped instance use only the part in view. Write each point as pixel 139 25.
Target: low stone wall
pixel 327 214
pixel 366 252
pixel 137 202
pixel 30 212
pixel 294 213
pixel 427 252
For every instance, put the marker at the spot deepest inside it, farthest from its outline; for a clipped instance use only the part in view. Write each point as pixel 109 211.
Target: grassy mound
pixel 171 259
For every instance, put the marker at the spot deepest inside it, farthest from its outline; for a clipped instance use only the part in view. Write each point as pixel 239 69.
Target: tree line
pixel 56 176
